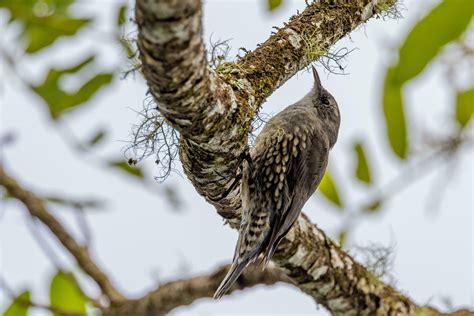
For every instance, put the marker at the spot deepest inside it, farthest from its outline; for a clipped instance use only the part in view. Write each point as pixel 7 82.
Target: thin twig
pixel 37 209
pixel 42 243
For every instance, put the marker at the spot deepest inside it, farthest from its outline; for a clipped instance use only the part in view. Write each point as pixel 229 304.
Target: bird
pixel 285 165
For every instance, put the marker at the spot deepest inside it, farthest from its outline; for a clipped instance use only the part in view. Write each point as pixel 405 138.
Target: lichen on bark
pixel 213 111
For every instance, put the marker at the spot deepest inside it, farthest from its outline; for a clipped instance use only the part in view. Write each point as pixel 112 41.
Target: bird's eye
pixel 325 100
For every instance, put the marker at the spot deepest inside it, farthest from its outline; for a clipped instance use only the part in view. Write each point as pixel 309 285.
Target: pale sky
pixel 140 240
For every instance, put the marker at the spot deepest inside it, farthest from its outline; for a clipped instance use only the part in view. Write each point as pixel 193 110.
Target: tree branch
pixel 174 60
pixel 184 292
pixel 36 208
pixel 304 38
pixel 192 98
pixel 213 109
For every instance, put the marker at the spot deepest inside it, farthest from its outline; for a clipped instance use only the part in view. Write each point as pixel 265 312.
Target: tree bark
pixel 212 110
pixel 184 292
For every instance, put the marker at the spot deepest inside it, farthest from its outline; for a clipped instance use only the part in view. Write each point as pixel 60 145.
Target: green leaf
pixel 130 51
pixel 58 100
pixel 273 4
pixel 96 138
pixel 465 106
pixel 43 22
pixel 44 31
pixel 422 44
pixel 122 14
pixel 342 238
pixel 329 190
pixel 124 166
pixel 373 206
pixel 90 88
pixel 362 171
pixel 19 306
pixel 444 24
pixel 394 116
pixel 64 294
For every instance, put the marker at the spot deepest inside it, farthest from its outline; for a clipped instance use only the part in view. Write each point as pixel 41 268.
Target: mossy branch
pixel 212 109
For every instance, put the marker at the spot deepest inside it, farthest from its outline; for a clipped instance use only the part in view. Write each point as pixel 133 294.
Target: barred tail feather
pixel 234 272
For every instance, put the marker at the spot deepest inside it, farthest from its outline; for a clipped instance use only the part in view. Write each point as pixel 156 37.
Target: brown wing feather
pixel 306 167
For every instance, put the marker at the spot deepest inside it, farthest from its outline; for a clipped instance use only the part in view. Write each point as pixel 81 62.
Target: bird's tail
pixel 234 272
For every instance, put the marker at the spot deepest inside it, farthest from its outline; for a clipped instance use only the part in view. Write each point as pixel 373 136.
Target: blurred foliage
pixel 341 238
pixel 421 46
pixel 96 138
pixel 273 4
pixel 19 305
pixel 43 22
pixel 33 26
pixel 362 170
pixel 372 207
pixel 122 15
pixel 465 107
pixel 76 204
pixel 328 189
pixel 65 294
pixel 58 100
pixel 127 167
pixel 394 114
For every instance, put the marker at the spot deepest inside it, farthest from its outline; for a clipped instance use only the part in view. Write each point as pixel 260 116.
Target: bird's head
pixel 326 106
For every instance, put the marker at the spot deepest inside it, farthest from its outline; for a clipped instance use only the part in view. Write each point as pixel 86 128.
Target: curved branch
pixel 213 109
pixel 174 61
pixel 36 208
pixel 184 292
pixel 333 278
pixel 192 98
pixel 304 38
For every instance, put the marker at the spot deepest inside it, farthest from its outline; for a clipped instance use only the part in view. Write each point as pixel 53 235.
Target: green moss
pixel 225 68
pixel 243 120
pixel 423 312
pixel 388 9
pixel 382 6
pixel 262 89
pixel 373 279
pixel 312 48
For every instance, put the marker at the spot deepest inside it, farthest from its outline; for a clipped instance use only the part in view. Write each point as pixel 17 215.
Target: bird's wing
pixel 264 194
pixel 275 186
pixel 306 165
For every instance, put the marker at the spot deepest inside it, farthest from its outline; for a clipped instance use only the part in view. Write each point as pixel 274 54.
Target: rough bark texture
pixel 213 111
pixel 190 95
pixel 333 278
